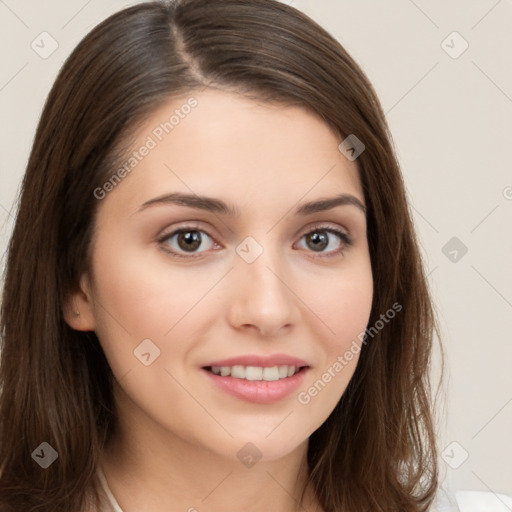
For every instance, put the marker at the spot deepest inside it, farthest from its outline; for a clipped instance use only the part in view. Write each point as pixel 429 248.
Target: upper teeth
pixel 255 372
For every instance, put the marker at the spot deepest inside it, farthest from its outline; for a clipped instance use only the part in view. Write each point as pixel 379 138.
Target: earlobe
pixel 79 308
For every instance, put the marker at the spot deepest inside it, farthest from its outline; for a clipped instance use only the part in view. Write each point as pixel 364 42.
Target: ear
pixel 79 307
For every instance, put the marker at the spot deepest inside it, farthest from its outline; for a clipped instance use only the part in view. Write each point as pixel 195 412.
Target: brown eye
pixel 326 241
pixel 182 241
pixel 317 240
pixel 189 240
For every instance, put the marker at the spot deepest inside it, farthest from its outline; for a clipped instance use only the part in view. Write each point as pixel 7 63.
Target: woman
pixel 214 297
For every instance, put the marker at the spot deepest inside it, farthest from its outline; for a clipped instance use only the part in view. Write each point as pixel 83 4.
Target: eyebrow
pixel 214 205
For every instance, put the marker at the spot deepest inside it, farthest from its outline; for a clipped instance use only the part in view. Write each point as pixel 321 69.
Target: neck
pixel 149 468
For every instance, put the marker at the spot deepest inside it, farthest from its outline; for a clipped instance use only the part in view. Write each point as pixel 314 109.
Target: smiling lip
pixel 259 391
pixel 257 360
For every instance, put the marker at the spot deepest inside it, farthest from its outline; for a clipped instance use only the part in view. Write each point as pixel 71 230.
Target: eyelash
pixel 346 240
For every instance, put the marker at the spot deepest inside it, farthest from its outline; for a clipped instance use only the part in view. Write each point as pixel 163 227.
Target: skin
pixel 176 448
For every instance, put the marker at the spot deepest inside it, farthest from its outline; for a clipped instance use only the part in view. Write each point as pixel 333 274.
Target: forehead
pixel 224 144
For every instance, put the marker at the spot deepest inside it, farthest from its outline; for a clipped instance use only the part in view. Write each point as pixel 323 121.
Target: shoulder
pixel 98 499
pixel 102 506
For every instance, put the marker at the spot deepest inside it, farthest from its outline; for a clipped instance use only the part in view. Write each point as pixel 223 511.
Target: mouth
pixel 257 379
pixel 257 373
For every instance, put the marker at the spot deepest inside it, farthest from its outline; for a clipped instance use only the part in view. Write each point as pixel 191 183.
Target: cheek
pixel 342 303
pixel 135 286
pixel 140 296
pixel 342 309
pixel 349 314
pixel 349 309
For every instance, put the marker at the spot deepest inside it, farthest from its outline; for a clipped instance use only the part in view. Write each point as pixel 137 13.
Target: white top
pixel 109 503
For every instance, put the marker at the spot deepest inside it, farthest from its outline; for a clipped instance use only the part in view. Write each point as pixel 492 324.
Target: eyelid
pixel 317 226
pixel 191 225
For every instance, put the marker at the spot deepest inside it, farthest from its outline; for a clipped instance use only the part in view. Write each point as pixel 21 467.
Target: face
pixel 230 274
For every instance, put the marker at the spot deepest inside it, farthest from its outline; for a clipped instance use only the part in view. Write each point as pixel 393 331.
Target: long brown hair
pixel 377 449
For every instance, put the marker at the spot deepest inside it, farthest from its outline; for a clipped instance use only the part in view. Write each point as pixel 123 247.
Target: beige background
pixel 451 118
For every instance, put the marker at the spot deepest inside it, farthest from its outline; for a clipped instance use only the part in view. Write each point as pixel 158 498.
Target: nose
pixel 262 298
